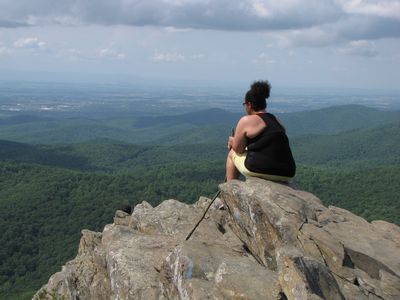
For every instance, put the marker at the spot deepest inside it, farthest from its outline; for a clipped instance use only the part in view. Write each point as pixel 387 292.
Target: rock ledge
pixel 269 242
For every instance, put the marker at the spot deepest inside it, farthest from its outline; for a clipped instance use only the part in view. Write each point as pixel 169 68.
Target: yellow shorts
pixel 238 160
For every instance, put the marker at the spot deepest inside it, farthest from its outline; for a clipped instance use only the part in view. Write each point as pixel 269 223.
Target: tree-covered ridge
pixel 213 116
pixel 43 209
pixel 370 193
pixel 108 155
pixel 336 119
pixel 49 192
pixel 362 148
pixel 196 127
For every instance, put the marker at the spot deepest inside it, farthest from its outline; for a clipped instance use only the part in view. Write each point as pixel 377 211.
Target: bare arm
pixel 239 141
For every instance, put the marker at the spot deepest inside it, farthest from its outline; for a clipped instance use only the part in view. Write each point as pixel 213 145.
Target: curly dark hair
pixel 258 94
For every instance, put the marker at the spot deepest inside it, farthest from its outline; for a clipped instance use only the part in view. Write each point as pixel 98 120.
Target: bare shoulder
pixel 248 123
pixel 248 119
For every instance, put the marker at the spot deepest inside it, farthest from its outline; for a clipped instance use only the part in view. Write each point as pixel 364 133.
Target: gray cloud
pixel 11 24
pixel 27 12
pixel 198 14
pixel 368 27
pixel 307 21
pixel 348 28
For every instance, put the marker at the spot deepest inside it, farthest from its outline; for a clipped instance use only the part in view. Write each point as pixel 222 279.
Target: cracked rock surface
pixel 269 241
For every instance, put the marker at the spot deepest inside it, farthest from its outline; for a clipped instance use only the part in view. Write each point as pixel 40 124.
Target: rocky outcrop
pixel 260 240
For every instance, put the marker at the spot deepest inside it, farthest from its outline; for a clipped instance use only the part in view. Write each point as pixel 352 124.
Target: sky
pixel 296 43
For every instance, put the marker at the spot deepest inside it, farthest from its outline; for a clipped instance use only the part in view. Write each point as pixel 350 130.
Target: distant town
pixel 111 100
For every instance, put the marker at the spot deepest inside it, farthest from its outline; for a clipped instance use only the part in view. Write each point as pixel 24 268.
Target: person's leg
pixel 231 171
pixel 238 166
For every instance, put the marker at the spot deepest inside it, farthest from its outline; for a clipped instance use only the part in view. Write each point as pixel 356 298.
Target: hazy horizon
pixel 149 97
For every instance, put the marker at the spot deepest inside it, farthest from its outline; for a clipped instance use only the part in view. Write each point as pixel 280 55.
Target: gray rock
pixel 317 251
pixel 199 270
pixel 85 277
pixel 121 218
pixel 133 261
pixel 259 240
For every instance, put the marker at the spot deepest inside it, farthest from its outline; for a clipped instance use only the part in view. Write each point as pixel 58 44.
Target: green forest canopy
pixel 50 192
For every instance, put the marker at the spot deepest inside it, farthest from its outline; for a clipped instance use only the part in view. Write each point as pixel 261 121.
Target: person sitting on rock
pixel 260 146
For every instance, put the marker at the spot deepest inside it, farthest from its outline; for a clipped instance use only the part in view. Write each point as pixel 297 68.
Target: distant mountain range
pixel 337 119
pixel 195 127
pixel 367 147
pixel 207 117
pixel 58 176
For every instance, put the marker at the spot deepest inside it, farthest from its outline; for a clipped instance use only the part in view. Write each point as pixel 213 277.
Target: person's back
pixel 269 152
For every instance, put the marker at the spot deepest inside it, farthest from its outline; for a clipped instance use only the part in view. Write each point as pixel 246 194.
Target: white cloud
pixel 111 54
pixel 72 54
pixel 172 29
pixel 30 43
pixel 381 8
pixel 197 56
pixel 310 37
pixel 169 57
pixel 360 48
pixel 4 50
pixel 175 57
pixel 263 58
pixel 260 9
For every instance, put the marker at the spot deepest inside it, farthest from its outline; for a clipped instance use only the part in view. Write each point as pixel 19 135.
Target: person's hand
pixel 230 141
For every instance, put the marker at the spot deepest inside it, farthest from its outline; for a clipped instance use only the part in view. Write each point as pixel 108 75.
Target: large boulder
pixel 318 252
pixel 259 240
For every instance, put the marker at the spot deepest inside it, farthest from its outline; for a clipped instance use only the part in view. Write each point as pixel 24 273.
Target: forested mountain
pixel 212 116
pixel 337 119
pixel 362 148
pixel 196 127
pixel 372 147
pixel 329 120
pixel 70 174
pixel 43 209
pixel 371 193
pixel 108 155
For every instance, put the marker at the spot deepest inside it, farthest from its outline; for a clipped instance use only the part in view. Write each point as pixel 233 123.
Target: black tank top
pixel 269 152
